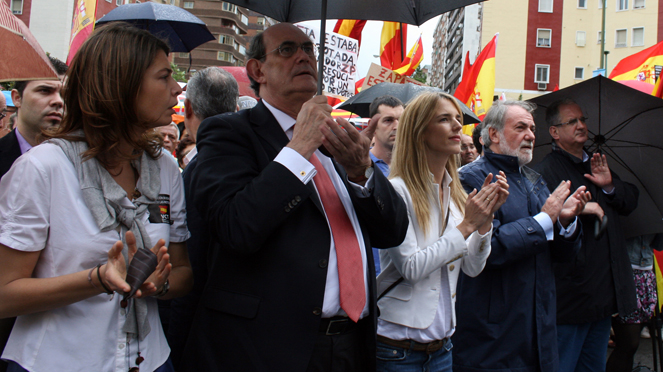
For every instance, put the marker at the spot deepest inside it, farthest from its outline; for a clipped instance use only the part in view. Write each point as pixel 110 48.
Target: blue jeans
pixel 395 359
pixel 583 347
pixel 166 367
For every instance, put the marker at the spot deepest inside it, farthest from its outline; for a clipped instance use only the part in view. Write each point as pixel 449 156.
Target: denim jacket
pixel 640 248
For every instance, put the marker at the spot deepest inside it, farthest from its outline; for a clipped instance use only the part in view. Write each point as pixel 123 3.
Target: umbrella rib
pixel 623 125
pixel 635 144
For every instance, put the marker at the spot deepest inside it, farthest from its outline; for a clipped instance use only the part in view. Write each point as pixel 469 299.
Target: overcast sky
pixel 370 42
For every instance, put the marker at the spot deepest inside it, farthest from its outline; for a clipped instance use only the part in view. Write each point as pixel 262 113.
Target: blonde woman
pixel 449 231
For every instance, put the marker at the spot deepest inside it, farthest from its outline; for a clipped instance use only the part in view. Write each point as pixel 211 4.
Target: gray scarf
pixel 103 197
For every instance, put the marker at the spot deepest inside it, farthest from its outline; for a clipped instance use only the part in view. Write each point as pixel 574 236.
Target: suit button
pixel 317 311
pixel 298 199
pixel 287 209
pixel 482 247
pixel 322 263
pixel 293 202
pixel 451 267
pixel 530 229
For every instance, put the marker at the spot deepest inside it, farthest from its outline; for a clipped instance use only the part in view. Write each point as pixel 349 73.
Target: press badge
pixel 160 212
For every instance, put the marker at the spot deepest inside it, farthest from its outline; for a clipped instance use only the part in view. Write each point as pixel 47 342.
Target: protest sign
pixel 378 74
pixel 340 61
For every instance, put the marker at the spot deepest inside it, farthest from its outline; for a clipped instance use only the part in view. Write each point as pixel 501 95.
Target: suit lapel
pixel 267 128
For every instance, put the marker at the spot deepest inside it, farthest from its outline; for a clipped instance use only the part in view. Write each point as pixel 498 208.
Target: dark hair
pixel 386 100
pixel 103 82
pixel 476 135
pixel 256 51
pixel 212 91
pixel 184 143
pixel 59 66
pixel 552 112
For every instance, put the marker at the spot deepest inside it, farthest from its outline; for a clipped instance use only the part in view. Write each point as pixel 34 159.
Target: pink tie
pixel 348 254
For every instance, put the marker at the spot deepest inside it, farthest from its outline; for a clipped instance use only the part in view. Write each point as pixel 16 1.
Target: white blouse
pixel 42 209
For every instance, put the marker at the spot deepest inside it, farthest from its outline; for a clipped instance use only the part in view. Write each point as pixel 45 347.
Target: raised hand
pixel 307 135
pixel 601 175
pixel 480 207
pixel 348 146
pixel 555 201
pixel 574 205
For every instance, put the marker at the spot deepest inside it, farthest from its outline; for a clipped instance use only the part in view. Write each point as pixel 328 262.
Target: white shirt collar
pixel 285 121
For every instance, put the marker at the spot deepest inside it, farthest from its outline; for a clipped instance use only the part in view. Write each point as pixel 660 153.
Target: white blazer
pixel 421 258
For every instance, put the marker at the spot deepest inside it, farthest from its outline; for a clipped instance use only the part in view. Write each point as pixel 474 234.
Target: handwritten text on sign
pixel 340 61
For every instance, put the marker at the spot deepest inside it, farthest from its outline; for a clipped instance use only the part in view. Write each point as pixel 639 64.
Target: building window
pixel 244 19
pixel 581 38
pixel 108 1
pixel 638 4
pixel 601 3
pixel 188 5
pixel 17 6
pixel 598 38
pixel 260 21
pixel 118 2
pixel 622 5
pixel 226 39
pixel 638 36
pixel 225 56
pixel 541 74
pixel 184 55
pixel 580 73
pixel 620 38
pixel 543 37
pixel 582 4
pixel 228 7
pixel 545 6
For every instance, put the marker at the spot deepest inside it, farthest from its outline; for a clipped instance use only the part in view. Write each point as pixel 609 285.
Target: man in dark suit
pixel 287 223
pixel 39 107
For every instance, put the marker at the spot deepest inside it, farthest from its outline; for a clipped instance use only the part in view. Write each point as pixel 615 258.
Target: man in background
pixel 468 153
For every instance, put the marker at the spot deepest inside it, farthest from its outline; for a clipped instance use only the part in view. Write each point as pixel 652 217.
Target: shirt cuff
pixel 363 191
pixel 546 223
pixel 568 232
pixel 296 164
pixel 611 191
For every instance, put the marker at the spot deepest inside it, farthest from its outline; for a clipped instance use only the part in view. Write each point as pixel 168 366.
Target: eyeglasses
pixel 289 48
pixel 3 114
pixel 573 121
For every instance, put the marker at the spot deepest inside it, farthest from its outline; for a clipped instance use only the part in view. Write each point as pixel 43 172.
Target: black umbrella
pixel 414 12
pixel 359 103
pixel 622 124
pixel 181 29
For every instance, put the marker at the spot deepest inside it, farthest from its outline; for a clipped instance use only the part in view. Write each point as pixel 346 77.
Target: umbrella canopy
pixel 639 85
pixel 623 125
pixel 414 12
pixel 181 29
pixel 360 102
pixel 22 56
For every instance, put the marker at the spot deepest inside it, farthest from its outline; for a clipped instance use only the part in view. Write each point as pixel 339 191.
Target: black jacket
pixel 599 281
pixel 268 260
pixel 10 150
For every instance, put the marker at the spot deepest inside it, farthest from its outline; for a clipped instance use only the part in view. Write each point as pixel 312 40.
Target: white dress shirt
pixel 305 171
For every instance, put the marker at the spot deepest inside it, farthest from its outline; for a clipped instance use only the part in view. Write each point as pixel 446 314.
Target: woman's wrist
pixel 101 281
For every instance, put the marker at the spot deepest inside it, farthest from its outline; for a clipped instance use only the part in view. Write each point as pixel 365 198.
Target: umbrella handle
pixel 323 37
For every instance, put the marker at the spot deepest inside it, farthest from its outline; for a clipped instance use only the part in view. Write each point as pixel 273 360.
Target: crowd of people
pixel 266 236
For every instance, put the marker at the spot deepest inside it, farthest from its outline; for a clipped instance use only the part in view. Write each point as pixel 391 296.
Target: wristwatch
pixel 164 290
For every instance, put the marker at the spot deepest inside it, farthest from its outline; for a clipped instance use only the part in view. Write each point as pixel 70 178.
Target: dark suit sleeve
pixel 383 213
pixel 625 198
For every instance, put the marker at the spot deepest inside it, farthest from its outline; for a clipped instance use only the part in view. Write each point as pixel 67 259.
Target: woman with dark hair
pixel 449 232
pixel 77 211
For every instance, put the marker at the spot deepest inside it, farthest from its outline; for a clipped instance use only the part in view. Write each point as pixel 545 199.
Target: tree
pixel 178 74
pixel 419 75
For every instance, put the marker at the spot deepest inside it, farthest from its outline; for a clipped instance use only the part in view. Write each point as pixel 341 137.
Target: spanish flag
pixel 81 25
pixel 639 66
pixel 392 44
pixel 350 28
pixel 658 88
pixel 477 88
pixel 412 60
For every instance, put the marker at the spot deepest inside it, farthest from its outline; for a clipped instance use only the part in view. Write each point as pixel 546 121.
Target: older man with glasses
pixel 291 283
pixel 599 281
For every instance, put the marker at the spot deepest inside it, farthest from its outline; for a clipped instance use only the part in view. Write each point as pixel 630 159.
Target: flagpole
pixel 402 49
pixel 603 66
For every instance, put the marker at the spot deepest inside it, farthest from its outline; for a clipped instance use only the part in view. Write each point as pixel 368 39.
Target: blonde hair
pixel 409 159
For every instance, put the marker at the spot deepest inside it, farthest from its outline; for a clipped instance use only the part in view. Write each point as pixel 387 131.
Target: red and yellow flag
pixel 392 44
pixel 658 88
pixel 639 66
pixel 477 88
pixel 350 28
pixel 412 60
pixel 81 25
